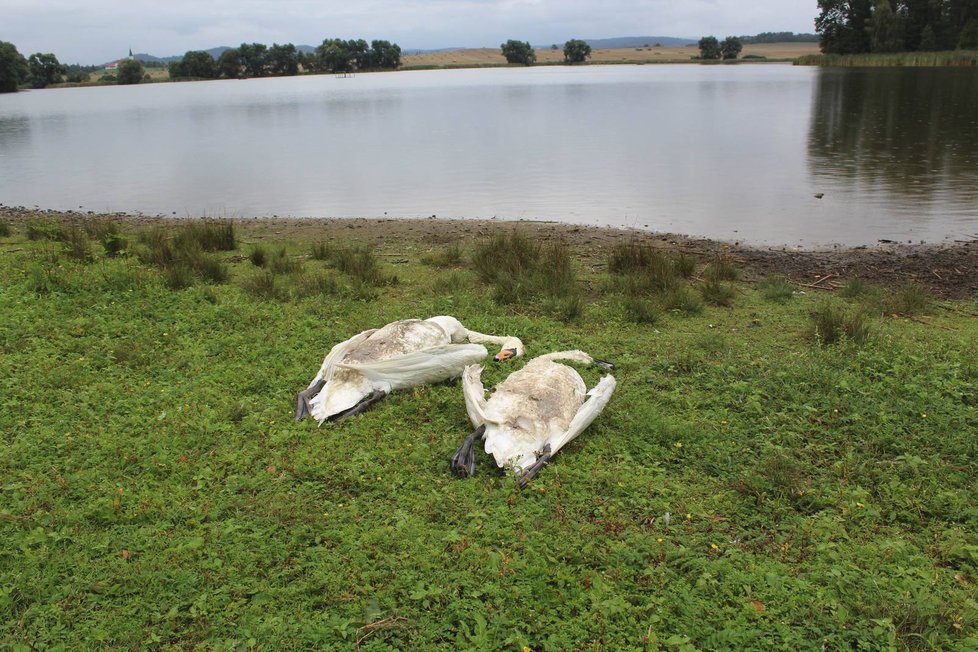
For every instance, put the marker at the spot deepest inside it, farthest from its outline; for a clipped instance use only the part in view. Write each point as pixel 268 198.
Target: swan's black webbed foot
pixel 604 364
pixel 533 469
pixel 302 407
pixel 360 407
pixel 463 462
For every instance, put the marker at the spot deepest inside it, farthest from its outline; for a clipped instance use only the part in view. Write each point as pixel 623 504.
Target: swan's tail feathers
pixel 328 368
pixel 475 394
pixel 302 407
pixel 599 396
pixel 531 471
pixel 463 462
pixel 360 407
pixel 339 395
pixel 430 365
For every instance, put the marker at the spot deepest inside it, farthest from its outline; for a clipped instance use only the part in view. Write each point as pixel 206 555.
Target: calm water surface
pixel 731 152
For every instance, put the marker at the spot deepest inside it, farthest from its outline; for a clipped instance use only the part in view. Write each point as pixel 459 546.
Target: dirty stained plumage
pixel 532 414
pixel 365 368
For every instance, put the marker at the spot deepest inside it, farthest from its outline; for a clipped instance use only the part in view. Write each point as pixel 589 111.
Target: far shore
pixel 493 58
pixel 948 269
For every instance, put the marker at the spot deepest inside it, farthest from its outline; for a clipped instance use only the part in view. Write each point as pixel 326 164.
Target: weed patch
pixel 831 324
pixel 776 289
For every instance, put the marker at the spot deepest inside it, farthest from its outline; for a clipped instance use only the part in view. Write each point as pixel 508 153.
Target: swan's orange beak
pixel 505 354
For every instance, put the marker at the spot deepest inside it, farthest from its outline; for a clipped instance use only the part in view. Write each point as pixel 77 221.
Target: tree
pixel 197 64
pixel 710 48
pixel 519 52
pixel 731 47
pixel 229 64
pixel 130 71
pixel 385 55
pixel 283 60
pixel 885 30
pixel 576 51
pixel 44 70
pixel 841 26
pixel 13 68
pixel 253 59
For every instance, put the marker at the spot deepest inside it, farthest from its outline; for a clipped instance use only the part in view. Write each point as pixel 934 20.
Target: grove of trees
pixel 859 26
pixel 13 68
pixel 259 60
pixel 519 52
pixel 576 51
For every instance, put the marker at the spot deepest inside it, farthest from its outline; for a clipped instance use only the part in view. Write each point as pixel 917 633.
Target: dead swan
pixel 532 414
pixel 364 369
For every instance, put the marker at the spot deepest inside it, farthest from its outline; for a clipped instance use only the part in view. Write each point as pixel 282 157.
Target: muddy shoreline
pixel 949 270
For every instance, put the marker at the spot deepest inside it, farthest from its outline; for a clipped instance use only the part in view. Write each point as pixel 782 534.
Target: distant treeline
pixel 779 37
pixel 861 26
pixel 259 60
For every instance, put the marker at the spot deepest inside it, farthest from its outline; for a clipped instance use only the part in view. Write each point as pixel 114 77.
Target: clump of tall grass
pixel 642 311
pixel 447 256
pixel 716 293
pixel 181 258
pixel 258 255
pixel 952 58
pixel 108 234
pixel 361 264
pixel 721 267
pixel 681 299
pixel 321 251
pixel 210 236
pixel 830 323
pixel 264 285
pixel 178 277
pixel 641 269
pixel 281 263
pixel 76 244
pixel 855 288
pixel 776 288
pixel 910 299
pixel 519 269
pixel 37 230
pixel 5 230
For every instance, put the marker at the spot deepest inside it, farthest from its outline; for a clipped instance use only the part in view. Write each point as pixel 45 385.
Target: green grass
pixel 746 488
pixel 916 59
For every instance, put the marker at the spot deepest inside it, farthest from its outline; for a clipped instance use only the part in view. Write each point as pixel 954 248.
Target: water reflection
pixel 909 134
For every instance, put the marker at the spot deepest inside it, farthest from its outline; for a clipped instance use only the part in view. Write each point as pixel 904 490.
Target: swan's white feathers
pixel 542 403
pixel 402 354
pixel 429 365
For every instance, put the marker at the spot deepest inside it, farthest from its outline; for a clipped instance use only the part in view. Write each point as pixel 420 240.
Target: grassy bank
pixel 780 467
pixel 895 59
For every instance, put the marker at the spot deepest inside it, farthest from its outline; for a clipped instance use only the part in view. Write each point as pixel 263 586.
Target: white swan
pixel 365 368
pixel 532 414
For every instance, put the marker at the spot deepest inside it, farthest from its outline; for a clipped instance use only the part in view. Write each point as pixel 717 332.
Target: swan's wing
pixel 336 354
pixel 475 394
pixel 599 395
pixel 430 365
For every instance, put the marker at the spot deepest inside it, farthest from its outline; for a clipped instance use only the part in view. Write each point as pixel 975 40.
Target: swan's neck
pixel 503 342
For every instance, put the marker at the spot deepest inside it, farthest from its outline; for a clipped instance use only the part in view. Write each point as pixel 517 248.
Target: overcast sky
pixel 97 31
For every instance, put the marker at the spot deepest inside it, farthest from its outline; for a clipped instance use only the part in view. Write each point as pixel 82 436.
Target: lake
pixel 728 152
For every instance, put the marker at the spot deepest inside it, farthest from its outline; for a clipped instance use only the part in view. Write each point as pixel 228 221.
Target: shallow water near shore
pixel 726 152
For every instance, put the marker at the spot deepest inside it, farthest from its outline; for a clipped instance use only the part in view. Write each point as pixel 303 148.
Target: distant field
pixel 492 56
